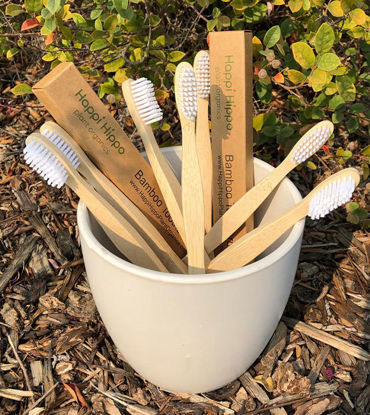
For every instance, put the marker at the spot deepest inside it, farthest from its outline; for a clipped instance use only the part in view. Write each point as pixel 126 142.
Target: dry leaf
pixel 267 383
pixel 289 381
pixel 76 394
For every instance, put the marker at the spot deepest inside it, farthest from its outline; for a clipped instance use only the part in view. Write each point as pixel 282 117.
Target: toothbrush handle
pixel 249 246
pixel 204 151
pixel 166 178
pixel 234 217
pixel 167 181
pixel 120 231
pixel 192 201
pixel 134 215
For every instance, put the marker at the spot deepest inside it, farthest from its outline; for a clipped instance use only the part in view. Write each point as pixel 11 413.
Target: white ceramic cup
pixel 193 333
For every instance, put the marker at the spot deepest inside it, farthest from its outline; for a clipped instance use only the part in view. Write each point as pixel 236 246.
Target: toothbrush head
pixel 186 91
pixel 142 91
pixel 39 155
pixel 202 75
pixel 333 192
pixel 311 142
pixel 54 136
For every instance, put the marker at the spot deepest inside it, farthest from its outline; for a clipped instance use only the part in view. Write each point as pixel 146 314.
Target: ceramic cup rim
pixel 84 224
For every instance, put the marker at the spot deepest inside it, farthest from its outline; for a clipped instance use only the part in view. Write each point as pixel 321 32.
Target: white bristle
pixel 45 163
pixel 330 197
pixel 202 75
pixel 310 143
pixel 145 101
pixel 56 139
pixel 188 93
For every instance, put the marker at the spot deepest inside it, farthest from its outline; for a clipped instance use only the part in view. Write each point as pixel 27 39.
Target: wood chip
pixel 318 363
pixel 20 258
pixel 329 339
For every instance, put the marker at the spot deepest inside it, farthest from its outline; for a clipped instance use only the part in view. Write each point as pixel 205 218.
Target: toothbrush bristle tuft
pixel 188 93
pixel 202 75
pixel 145 101
pixel 56 139
pixel 40 159
pixel 335 194
pixel 311 142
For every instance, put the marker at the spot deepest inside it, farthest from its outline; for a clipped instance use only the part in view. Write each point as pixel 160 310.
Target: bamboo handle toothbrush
pixel 144 109
pixel 234 217
pixel 55 167
pixel 327 196
pixel 203 140
pixel 192 193
pixel 114 196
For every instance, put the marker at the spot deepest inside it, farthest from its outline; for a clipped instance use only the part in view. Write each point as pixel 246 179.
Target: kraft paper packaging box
pixel 76 108
pixel 231 70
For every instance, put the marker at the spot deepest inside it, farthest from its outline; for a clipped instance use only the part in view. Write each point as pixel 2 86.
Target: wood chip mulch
pixel 57 358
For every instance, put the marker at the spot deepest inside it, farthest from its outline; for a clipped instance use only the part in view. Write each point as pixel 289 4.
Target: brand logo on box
pixel 99 121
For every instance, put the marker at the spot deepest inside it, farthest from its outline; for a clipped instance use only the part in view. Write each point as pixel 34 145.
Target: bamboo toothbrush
pixel 327 196
pixel 234 217
pixel 144 109
pixel 115 197
pixel 203 140
pixel 191 181
pixel 58 169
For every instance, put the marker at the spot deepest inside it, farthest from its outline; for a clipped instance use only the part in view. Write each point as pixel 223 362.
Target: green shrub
pixel 311 56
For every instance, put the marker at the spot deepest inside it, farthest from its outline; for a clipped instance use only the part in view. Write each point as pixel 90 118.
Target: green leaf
pixel 95 13
pixel 357 108
pixel 352 206
pixel 366 151
pixel 66 31
pixel 121 7
pixel 114 65
pixel 295 5
pixel 98 44
pixel 83 37
pixel 49 57
pixel 337 117
pixel 318 79
pixel 33 6
pixel 286 27
pixel 51 24
pixel 165 127
pixel 175 56
pixel 335 8
pixel 331 88
pixel 272 36
pixel 314 113
pixel 78 19
pixel 155 20
pixel 358 16
pixel 365 170
pixel 211 24
pixel 311 165
pixel 352 218
pixel 258 122
pixel 324 38
pixel 120 76
pixel 13 10
pixel 352 124
pixel 361 213
pixel 336 103
pixel 328 62
pixel 110 23
pixel 346 88
pixel 296 77
pixel 303 54
pixel 22 89
pixel 53 6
